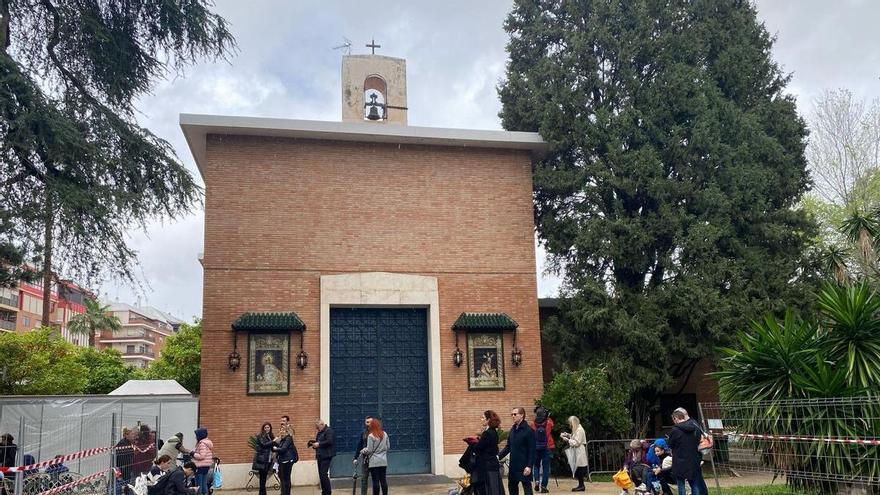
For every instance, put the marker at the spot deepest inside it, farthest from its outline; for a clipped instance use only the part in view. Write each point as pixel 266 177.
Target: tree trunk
pixel 4 26
pixel 47 258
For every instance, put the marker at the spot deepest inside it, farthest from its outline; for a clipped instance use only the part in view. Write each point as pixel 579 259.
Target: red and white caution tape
pixel 74 456
pixel 855 441
pixel 57 460
pixel 85 479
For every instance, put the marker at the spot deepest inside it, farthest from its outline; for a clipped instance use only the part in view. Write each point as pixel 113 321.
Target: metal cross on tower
pixel 373 45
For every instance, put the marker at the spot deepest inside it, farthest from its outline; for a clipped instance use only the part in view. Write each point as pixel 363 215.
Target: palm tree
pixel 95 319
pixel 862 229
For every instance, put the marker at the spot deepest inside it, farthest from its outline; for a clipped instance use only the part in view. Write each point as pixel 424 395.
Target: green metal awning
pixel 484 321
pixel 268 322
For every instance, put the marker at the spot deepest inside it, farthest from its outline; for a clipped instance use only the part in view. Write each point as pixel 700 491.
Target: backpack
pixel 541 435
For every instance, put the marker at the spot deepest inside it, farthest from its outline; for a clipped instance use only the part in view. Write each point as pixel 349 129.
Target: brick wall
pixel 282 212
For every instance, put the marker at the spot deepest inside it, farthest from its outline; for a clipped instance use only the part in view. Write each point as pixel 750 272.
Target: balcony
pixel 9 301
pixel 109 338
pixel 7 325
pixel 139 355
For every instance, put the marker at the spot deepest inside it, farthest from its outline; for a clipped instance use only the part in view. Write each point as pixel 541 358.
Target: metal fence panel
pixel 812 443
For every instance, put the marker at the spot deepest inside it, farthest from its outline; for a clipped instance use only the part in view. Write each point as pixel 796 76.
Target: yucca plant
pixel 835 356
pixel 763 366
pixel 851 335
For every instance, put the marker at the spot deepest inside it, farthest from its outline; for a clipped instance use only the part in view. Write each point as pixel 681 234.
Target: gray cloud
pixel 286 67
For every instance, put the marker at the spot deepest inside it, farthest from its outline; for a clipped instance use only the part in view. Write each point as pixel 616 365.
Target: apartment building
pixel 21 308
pixel 142 335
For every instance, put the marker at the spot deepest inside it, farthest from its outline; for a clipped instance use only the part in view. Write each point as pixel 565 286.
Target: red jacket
pixel 550 443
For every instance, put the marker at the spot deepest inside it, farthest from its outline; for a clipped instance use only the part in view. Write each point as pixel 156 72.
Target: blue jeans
pixel 697 485
pixel 202 479
pixel 542 459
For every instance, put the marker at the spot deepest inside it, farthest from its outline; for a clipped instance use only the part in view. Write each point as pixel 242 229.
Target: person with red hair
pixel 376 456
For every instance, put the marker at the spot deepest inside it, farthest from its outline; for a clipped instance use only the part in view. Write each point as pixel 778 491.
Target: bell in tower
pixel 374 89
pixel 374 108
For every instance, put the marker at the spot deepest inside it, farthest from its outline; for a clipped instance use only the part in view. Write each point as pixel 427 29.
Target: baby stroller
pixel 467 462
pixel 212 472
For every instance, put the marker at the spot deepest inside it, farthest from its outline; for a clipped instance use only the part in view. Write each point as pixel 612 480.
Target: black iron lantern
pixel 457 357
pixel 302 359
pixel 234 360
pixel 516 355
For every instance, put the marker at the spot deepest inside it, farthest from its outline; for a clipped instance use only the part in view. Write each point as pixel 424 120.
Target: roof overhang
pixel 196 127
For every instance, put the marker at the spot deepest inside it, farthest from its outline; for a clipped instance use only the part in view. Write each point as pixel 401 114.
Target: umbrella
pixel 571 455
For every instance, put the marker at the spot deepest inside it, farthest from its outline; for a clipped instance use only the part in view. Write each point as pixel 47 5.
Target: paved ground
pixel 565 486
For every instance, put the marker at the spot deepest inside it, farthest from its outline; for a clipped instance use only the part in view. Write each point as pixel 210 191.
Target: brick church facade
pixel 353 248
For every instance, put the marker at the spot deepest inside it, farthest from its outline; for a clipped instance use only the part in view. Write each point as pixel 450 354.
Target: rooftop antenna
pixel 346 46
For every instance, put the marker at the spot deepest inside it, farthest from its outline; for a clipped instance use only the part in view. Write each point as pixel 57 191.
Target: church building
pixel 365 267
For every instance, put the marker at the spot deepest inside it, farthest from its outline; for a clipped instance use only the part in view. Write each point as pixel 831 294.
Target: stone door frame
pixel 382 289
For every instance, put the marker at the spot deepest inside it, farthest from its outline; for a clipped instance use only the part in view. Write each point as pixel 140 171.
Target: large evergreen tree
pixel 677 159
pixel 76 171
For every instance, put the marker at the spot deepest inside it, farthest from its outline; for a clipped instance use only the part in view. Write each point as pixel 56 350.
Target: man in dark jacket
pixel 521 447
pixel 8 449
pixel 363 472
pixel 684 440
pixel 176 484
pixel 325 448
pixel 124 459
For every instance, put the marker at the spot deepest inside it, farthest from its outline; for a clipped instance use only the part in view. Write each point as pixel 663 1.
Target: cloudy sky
pixel 286 67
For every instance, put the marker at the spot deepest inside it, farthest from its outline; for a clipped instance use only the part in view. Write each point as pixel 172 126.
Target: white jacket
pixel 578 443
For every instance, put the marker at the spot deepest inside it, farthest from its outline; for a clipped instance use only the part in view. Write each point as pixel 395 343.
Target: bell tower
pixel 374 89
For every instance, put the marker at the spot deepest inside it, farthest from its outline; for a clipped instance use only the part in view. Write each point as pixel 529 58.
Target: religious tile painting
pixel 485 361
pixel 268 364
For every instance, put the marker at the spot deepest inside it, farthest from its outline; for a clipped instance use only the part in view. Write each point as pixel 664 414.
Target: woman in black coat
pixel 287 455
pixel 486 476
pixel 263 455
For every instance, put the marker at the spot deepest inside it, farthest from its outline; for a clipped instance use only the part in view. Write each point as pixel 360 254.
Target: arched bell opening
pixel 375 97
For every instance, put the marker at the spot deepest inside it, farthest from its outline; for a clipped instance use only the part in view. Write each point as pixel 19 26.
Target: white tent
pixel 150 387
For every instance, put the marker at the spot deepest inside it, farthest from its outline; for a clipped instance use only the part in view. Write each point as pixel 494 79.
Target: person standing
pixel 684 440
pixel 262 462
pixel 8 449
pixel 325 449
pixel 173 447
pixel 287 455
pixel 521 447
pixel 486 476
pixel 123 458
pixel 203 457
pixel 376 454
pixel 577 441
pixel 144 446
pixel 544 445
pixel 358 457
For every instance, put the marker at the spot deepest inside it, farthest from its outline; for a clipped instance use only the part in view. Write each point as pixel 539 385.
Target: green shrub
pixel 587 394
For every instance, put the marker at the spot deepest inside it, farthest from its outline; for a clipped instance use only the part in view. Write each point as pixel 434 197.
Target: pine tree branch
pixel 68 75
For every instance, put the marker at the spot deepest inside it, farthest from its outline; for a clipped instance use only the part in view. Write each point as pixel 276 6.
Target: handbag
pixel 622 480
pixel 367 457
pixel 218 478
pixel 706 443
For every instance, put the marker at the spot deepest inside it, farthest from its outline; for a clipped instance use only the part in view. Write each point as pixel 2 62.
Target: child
pixel 660 476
